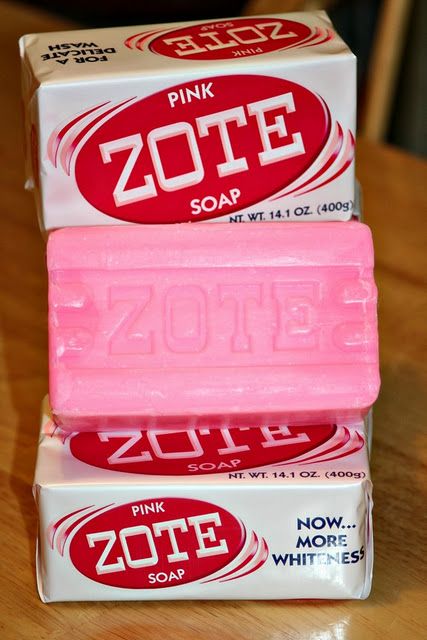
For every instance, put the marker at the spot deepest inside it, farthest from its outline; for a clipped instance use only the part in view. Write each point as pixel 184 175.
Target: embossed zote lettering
pixel 260 319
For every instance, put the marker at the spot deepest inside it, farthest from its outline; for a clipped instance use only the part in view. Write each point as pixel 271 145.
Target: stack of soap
pixel 212 380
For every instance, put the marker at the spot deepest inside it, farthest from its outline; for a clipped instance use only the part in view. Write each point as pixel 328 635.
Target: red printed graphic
pixel 344 442
pixel 198 451
pixel 194 151
pixel 161 542
pixel 335 159
pixel 251 559
pixel 230 39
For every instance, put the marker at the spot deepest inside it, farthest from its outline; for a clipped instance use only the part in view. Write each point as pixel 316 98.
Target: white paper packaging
pixel 276 512
pixel 241 120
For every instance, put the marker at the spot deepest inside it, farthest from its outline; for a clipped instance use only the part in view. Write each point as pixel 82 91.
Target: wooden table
pixel 396 208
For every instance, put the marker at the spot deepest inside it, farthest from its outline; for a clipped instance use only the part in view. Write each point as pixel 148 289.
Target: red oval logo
pixel 162 542
pixel 201 149
pixel 194 452
pixel 231 39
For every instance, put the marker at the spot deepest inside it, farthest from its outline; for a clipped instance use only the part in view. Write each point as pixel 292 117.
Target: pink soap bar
pixel 193 325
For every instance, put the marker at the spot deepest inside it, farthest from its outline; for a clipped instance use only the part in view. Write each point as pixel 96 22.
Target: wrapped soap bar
pixel 273 512
pixel 206 325
pixel 245 119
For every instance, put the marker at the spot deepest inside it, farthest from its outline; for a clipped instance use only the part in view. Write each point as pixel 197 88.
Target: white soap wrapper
pixel 273 512
pixel 246 119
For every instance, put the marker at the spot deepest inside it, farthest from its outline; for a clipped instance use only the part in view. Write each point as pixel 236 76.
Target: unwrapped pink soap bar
pixel 224 325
